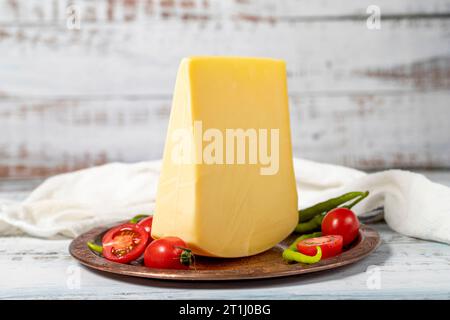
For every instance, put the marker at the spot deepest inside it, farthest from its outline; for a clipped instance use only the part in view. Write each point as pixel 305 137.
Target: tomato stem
pixel 186 257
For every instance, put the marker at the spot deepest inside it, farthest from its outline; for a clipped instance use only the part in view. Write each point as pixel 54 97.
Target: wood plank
pixel 373 131
pixel 344 9
pixel 124 59
pixel 44 136
pixel 139 59
pixel 257 11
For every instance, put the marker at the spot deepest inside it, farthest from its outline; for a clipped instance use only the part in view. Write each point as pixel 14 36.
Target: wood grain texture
pixel 359 97
pixel 257 11
pixel 141 59
pixel 52 136
pixel 48 136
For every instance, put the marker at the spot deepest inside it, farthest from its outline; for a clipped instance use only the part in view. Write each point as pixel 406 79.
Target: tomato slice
pixel 125 242
pixel 147 224
pixel 330 245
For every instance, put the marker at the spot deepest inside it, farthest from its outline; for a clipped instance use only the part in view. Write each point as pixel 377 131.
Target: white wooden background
pixel 359 97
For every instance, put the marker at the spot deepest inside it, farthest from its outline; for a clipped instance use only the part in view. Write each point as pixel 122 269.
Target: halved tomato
pixel 125 242
pixel 330 245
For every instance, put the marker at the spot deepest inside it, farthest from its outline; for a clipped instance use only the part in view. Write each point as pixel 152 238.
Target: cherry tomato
pixel 168 253
pixel 125 242
pixel 330 245
pixel 147 224
pixel 343 222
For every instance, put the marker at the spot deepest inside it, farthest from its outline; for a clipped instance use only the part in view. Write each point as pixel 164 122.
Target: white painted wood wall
pixel 366 98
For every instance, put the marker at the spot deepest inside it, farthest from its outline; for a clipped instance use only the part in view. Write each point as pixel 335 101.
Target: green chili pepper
pixel 291 255
pixel 354 203
pixel 95 247
pixel 309 213
pixel 138 218
pixel 311 225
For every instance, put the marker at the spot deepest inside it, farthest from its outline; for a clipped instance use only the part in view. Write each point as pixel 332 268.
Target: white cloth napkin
pixel 71 203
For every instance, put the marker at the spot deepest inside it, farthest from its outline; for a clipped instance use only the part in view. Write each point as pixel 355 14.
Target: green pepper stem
pixel 325 206
pixel 95 247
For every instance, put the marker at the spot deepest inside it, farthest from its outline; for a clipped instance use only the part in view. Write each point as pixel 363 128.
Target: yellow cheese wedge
pixel 227 185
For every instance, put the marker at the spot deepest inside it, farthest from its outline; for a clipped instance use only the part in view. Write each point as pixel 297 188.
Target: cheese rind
pixel 220 208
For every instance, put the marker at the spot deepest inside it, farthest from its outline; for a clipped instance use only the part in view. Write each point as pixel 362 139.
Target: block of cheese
pixel 227 184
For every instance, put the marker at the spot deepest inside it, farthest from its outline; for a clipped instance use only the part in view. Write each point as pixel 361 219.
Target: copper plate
pixel 268 264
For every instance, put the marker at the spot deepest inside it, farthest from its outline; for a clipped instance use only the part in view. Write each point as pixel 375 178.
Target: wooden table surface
pixel 401 268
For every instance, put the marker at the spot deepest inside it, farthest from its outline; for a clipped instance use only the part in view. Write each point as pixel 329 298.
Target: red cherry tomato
pixel 124 243
pixel 343 222
pixel 147 224
pixel 330 245
pixel 168 253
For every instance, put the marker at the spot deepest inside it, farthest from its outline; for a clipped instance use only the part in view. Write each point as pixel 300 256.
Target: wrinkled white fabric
pixel 71 203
